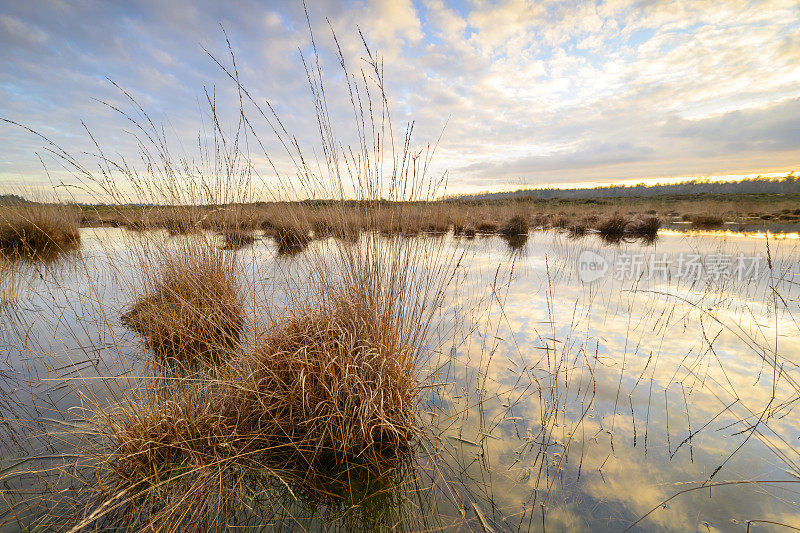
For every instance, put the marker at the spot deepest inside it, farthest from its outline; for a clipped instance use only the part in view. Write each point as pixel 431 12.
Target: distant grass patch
pixel 515 226
pixel 612 228
pixel 38 231
pixel 645 227
pixel 235 238
pixel 706 221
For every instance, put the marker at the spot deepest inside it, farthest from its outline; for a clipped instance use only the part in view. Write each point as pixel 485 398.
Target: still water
pixel 574 385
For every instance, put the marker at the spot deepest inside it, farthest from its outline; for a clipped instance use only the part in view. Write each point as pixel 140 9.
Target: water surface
pixel 575 385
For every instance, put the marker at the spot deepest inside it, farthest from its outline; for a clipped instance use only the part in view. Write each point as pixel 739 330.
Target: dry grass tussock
pixel 326 373
pixel 191 307
pixel 338 223
pixel 325 388
pixel 330 381
pixel 291 236
pixel 613 227
pixel 645 227
pixel 38 231
pixel 706 221
pixel 236 237
pixel 516 225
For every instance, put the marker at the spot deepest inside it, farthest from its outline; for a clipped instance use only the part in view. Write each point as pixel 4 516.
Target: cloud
pixel 773 128
pixel 538 92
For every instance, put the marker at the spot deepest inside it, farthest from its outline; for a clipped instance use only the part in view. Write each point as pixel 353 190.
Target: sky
pixel 522 94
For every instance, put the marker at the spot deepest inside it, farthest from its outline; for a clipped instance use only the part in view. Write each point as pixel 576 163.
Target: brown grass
pixel 516 225
pixel 578 228
pixel 486 226
pixel 645 227
pixel 706 221
pixel 341 223
pixel 291 236
pixel 235 237
pixel 191 308
pixel 38 231
pixel 560 221
pixel 347 220
pixel 612 228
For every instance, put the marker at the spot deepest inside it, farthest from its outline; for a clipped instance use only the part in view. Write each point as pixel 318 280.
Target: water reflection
pixel 515 242
pixel 567 405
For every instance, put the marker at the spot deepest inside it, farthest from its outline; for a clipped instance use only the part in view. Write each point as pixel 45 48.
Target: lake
pixel 571 384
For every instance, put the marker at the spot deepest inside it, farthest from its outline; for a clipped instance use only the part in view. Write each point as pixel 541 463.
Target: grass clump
pixel 337 375
pixel 515 231
pixel 486 226
pixel 327 386
pixel 560 221
pixel 706 221
pixel 645 227
pixel 191 308
pixel 177 221
pixel 291 236
pixel 235 237
pixel 341 223
pixel 515 226
pixel 38 231
pixel 578 228
pixel 612 228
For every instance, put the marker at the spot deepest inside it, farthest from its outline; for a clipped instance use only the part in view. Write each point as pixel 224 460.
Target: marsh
pixel 586 405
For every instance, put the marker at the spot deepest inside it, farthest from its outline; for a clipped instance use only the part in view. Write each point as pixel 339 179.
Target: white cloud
pixel 533 91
